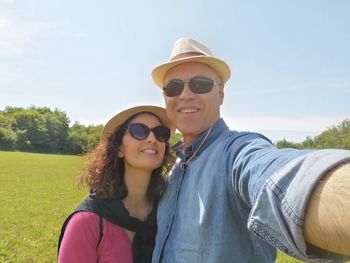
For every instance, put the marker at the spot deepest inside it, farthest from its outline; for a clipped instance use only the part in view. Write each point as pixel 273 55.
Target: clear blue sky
pixel 290 60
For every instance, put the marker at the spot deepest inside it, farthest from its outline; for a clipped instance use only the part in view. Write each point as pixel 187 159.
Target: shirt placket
pixel 179 173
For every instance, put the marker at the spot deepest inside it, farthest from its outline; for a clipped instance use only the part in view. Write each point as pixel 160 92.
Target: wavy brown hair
pixel 104 170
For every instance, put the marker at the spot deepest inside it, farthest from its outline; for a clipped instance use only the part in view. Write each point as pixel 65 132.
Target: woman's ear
pixel 120 154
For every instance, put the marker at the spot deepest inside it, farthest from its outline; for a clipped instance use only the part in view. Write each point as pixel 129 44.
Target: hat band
pixel 188 54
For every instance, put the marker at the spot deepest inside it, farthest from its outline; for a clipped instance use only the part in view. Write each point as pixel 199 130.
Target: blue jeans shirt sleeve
pixel 277 184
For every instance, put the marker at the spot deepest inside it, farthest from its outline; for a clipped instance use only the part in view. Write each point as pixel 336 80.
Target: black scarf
pixel 113 210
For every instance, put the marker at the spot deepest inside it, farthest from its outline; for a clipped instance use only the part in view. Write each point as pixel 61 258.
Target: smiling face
pixel 144 154
pixel 193 113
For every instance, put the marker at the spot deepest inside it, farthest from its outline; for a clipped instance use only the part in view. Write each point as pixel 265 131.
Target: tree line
pixel 40 129
pixel 337 136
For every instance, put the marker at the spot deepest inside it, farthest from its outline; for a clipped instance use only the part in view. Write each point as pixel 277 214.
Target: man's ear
pixel 222 94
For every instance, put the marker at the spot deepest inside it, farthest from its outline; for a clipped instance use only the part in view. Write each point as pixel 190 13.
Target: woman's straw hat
pixel 121 117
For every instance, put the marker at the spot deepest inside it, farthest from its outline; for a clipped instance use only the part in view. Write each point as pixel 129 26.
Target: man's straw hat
pixel 190 50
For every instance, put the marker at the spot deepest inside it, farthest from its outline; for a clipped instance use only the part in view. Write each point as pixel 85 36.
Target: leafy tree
pixel 56 130
pixel 82 139
pixel 27 127
pixel 334 137
pixel 7 139
pixel 175 138
pixel 7 136
pixel 74 143
pixel 308 143
pixel 5 121
pixel 38 129
pixel 286 144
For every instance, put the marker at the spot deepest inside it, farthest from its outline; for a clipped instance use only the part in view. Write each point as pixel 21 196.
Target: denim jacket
pixel 239 199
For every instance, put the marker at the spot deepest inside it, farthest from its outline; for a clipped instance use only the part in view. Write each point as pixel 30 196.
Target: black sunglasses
pixel 198 85
pixel 140 132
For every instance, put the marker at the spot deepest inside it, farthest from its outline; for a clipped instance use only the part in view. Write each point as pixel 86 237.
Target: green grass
pixel 37 192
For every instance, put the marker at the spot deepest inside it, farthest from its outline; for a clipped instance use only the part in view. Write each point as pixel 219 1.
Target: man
pixel 233 196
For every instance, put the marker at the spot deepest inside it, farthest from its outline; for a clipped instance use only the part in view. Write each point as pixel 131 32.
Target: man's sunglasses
pixel 140 132
pixel 198 85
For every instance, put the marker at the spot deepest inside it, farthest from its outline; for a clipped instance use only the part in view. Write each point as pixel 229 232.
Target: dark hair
pixel 104 170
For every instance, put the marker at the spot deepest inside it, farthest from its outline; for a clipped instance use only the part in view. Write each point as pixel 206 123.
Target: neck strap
pixel 184 164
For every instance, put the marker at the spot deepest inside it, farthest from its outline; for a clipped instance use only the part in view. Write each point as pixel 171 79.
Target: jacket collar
pixel 184 153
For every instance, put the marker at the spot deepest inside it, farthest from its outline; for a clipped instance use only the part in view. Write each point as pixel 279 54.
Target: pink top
pixel 79 243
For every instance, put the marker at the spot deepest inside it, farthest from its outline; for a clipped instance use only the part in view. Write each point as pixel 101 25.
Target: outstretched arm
pixel 327 216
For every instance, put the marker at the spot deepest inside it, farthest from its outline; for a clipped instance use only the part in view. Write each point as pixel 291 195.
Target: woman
pixel 117 221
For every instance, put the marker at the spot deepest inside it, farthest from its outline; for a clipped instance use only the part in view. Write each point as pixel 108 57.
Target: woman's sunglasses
pixel 140 132
pixel 198 85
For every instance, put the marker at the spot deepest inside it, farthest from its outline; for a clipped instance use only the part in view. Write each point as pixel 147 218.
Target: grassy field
pixel 37 192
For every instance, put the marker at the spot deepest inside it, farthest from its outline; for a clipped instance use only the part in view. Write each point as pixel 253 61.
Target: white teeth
pixel 150 151
pixel 188 110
